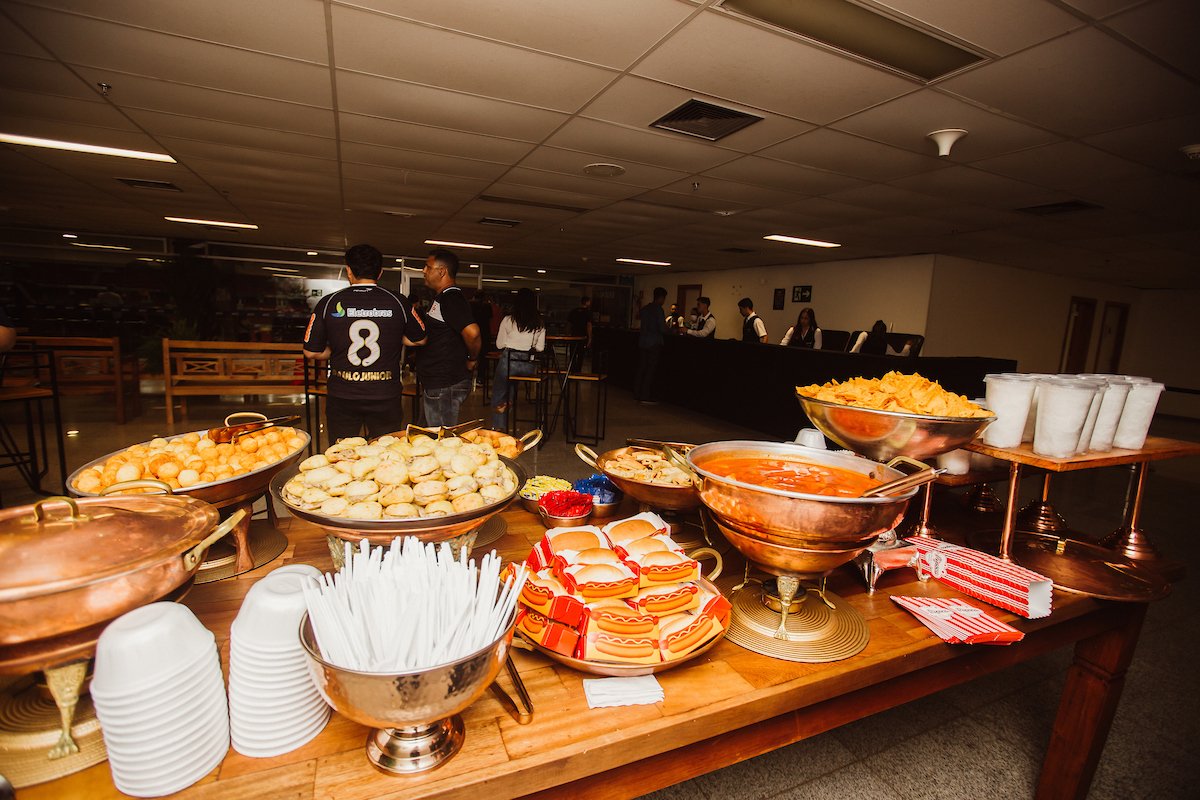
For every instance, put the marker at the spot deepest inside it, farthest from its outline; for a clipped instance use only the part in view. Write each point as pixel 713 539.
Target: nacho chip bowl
pixel 883 435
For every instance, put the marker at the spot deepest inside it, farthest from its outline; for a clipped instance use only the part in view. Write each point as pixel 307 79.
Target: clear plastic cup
pixel 1110 414
pixel 1136 416
pixel 1089 424
pixel 1009 397
pixel 1031 420
pixel 1063 406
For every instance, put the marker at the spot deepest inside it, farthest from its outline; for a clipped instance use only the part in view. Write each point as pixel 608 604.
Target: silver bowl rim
pixel 813 456
pixel 508 630
pixel 805 400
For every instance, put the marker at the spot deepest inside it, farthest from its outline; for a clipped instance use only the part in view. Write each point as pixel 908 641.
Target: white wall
pixel 846 295
pixel 984 309
pixel 1161 342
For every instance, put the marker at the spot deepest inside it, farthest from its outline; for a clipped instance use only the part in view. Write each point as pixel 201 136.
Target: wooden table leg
pixel 1088 704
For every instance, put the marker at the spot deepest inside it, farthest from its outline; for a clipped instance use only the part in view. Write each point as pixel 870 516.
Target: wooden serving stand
pixel 724 707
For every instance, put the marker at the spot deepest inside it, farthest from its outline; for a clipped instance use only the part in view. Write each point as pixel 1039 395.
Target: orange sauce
pixel 792 476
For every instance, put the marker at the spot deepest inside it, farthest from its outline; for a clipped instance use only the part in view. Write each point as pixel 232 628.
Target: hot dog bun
pixel 664 558
pixel 631 530
pixel 574 540
pixel 647 544
pixel 683 633
pixel 615 616
pixel 597 555
pixel 624 648
pixel 667 599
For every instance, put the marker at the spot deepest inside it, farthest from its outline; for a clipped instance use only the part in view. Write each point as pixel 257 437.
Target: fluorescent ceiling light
pixel 153 260
pixel 541 272
pixel 474 266
pixel 70 236
pixel 78 147
pixel 101 246
pixel 213 222
pixel 281 269
pixel 459 244
pixel 779 237
pixel 495 280
pixel 311 253
pixel 643 261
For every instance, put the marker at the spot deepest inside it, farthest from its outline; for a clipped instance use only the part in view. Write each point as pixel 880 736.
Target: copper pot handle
pixel 531 439
pixel 587 455
pixel 908 462
pixel 258 417
pixel 191 559
pixel 140 483
pixel 39 511
pixel 703 552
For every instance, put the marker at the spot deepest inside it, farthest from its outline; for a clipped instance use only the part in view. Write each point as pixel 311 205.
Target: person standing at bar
pixel 650 345
pixel 361 330
pixel 753 328
pixel 451 352
pixel 579 325
pixel 805 333
pixel 706 324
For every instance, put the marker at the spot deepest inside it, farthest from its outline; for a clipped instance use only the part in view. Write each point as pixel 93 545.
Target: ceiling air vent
pixel 498 222
pixel 735 250
pixel 704 120
pixel 1068 207
pixel 140 183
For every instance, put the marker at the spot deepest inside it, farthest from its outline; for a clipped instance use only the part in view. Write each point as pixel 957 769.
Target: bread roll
pixel 641 547
pixel 599 573
pixel 631 530
pixel 574 540
pixel 664 558
pixel 597 555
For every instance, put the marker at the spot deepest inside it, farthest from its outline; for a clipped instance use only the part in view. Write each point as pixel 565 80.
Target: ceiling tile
pixel 392 133
pixel 107 46
pixel 723 56
pixel 424 105
pixel 1000 28
pixel 518 191
pixel 1168 28
pixel 400 162
pixel 614 142
pixel 1155 144
pixel 366 42
pixel 890 199
pixel 906 121
pixel 581 184
pixel 637 102
pixel 293 28
pixel 849 155
pixel 14 40
pixel 613 33
pixel 572 162
pixel 1065 166
pixel 206 130
pixel 42 76
pixel 1056 85
pixel 231 159
pixel 781 175
pixel 980 188
pixel 721 191
pixel 1101 8
pixel 62 110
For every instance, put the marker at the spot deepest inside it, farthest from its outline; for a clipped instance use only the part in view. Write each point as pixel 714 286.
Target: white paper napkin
pixel 606 692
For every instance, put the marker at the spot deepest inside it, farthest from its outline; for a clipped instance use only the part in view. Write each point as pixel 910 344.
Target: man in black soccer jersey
pixel 361 330
pixel 451 352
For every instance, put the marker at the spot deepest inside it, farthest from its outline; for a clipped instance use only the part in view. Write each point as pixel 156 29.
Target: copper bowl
pixel 794 533
pixel 656 495
pixel 882 435
pixel 381 532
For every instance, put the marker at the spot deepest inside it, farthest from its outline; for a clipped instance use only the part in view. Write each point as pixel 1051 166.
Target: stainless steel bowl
pixel 415 714
pixel 794 533
pixel 882 435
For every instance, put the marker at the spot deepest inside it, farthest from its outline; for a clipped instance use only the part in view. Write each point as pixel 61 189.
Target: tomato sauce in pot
pixel 792 476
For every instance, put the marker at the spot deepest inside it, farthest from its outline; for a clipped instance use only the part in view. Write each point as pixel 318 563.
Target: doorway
pixel 1112 337
pixel 1078 337
pixel 686 297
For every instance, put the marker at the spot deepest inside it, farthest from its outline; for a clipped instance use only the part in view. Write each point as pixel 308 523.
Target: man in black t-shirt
pixel 361 330
pixel 451 351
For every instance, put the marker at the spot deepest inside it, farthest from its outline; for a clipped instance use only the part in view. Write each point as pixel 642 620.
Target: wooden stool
pixel 541 406
pixel 574 388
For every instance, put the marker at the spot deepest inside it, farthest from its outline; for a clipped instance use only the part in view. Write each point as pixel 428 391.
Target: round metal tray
pixel 614 670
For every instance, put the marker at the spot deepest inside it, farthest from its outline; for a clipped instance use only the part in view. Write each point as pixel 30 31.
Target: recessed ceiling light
pixel 79 147
pixel 459 244
pixel 643 261
pixel 603 170
pixel 154 260
pixel 541 272
pixel 495 280
pixel 474 266
pixel 70 236
pixel 311 253
pixel 212 222
pixel 72 433
pixel 400 261
pixel 101 246
pixel 779 237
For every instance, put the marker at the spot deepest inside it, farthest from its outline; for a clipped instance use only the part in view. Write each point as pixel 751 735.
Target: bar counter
pixel 725 706
pixel 754 385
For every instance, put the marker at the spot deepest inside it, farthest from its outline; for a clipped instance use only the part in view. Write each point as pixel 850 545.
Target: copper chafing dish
pixel 655 495
pixel 69 564
pixel 428 529
pixel 794 533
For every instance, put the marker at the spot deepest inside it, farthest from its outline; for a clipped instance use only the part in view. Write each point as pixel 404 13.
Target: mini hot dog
pixel 602 646
pixel 669 599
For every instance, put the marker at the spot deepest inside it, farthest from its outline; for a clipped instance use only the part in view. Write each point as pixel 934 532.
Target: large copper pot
pixel 656 495
pixel 69 564
pixel 793 533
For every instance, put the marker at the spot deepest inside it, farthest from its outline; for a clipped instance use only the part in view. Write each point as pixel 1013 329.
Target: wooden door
pixel 1078 337
pixel 1112 336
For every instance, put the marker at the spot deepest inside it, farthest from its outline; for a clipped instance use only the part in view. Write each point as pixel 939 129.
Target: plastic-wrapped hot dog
pixel 592 582
pixel 548 633
pixel 662 567
pixel 616 617
pixel 669 599
pixel 566 542
pixel 547 595
pixel 601 646
pixel 682 633
pixel 627 530
pixel 593 555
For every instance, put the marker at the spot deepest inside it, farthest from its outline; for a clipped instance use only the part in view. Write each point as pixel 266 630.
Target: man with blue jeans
pixel 451 351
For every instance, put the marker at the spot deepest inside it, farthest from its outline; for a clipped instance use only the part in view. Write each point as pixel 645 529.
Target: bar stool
pixel 534 387
pixel 19 383
pixel 575 386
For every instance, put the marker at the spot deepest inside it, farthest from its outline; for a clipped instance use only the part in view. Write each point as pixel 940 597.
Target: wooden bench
pixel 192 368
pixel 88 366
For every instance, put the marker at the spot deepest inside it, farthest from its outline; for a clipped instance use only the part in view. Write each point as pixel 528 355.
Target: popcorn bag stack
pixel 991 579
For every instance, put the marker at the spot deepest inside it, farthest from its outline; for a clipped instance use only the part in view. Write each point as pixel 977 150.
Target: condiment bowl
pixel 552 521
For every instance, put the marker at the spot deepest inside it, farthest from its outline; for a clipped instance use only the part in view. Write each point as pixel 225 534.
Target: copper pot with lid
pixel 67 564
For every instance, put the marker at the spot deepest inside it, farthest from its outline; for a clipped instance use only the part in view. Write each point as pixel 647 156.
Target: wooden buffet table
pixel 724 707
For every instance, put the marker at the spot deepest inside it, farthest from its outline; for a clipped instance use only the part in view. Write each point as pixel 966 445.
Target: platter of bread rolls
pixel 621 600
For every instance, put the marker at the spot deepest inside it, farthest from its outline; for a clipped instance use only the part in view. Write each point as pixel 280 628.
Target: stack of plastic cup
pixel 160 699
pixel 1137 414
pixel 1031 420
pixel 1063 406
pixel 274 707
pixel 1009 396
pixel 1089 424
pixel 1111 407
